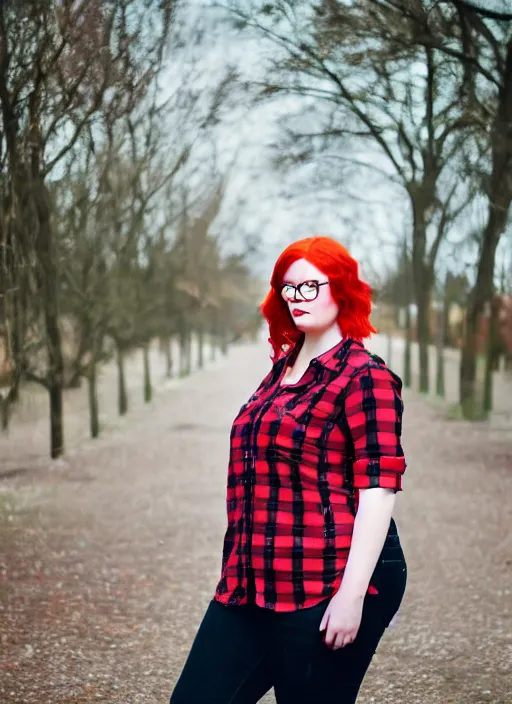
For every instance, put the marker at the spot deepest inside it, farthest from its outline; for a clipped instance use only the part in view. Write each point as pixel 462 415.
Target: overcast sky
pixel 280 206
pixel 367 215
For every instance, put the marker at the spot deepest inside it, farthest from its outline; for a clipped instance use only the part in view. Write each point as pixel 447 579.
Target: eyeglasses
pixel 307 289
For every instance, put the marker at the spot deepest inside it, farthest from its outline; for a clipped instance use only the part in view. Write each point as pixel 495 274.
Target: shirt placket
pixel 248 482
pixel 249 476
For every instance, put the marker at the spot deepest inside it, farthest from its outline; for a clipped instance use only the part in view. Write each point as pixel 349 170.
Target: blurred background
pixel 157 155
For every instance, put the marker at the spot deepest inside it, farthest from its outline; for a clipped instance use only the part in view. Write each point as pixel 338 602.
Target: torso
pixel 290 502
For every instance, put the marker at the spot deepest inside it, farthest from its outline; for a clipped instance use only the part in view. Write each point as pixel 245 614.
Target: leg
pixel 228 661
pixel 318 675
pixel 307 672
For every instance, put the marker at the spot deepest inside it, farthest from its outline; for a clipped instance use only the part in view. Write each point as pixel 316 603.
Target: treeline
pixel 413 94
pixel 105 241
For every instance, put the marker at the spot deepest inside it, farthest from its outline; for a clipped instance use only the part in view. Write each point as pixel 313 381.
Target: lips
pixel 297 313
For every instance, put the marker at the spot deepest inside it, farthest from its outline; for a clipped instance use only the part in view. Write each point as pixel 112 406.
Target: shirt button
pixel 330 425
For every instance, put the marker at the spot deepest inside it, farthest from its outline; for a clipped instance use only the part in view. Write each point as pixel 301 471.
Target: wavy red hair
pixel 352 295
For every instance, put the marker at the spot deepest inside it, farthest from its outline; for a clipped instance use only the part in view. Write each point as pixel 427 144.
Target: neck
pixel 316 344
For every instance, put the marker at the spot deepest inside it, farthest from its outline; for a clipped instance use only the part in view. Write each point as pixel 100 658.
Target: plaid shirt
pixel 299 454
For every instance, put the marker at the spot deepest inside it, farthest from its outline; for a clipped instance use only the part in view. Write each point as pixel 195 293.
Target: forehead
pixel 302 270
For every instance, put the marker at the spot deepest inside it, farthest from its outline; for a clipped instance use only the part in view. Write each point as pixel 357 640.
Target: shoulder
pixel 363 364
pixel 274 373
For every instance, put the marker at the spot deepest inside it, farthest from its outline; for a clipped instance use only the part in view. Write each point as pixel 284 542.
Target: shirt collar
pixel 325 365
pixel 331 359
pixel 334 358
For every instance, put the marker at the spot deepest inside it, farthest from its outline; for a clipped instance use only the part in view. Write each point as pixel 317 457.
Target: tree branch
pixel 31 376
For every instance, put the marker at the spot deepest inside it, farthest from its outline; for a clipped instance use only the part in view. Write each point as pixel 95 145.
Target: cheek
pixel 324 313
pixel 326 308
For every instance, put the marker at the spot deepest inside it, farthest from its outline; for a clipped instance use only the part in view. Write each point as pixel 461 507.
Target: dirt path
pixel 108 561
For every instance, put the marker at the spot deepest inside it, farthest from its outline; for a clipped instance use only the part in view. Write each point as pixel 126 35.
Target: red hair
pixel 352 295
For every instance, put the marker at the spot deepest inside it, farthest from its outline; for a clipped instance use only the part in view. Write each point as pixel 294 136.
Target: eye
pixel 308 289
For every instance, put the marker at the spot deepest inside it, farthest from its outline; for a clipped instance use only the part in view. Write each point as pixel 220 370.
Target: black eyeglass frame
pixel 297 289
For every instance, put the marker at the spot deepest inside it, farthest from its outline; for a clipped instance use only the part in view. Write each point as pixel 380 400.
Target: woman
pixel 312 569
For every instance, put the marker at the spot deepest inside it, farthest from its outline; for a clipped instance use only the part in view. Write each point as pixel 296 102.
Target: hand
pixel 342 619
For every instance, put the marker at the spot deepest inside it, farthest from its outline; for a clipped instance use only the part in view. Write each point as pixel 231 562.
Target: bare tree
pixel 17 289
pixel 385 104
pixel 57 64
pixel 478 49
pixel 483 47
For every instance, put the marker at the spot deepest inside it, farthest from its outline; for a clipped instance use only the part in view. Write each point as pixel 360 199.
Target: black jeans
pixel 240 652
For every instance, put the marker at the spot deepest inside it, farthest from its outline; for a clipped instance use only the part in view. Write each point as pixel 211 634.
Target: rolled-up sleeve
pixel 374 408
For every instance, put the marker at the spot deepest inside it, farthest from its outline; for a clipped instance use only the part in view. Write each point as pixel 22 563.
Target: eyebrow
pixel 286 281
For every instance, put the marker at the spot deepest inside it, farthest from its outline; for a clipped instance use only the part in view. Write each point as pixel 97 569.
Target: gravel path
pixel 109 558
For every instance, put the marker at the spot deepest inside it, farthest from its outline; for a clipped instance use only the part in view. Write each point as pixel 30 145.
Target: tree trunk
pixel 93 398
pixel 422 286
pixel 447 332
pixel 148 391
pixel 14 313
pixel 468 360
pixel 168 356
pixel 122 396
pixel 20 326
pixel 480 295
pixel 492 357
pixel 213 336
pixel 500 196
pixel 5 409
pixel 11 398
pixel 56 420
pixel 213 348
pixel 49 281
pixel 440 376
pixel 200 342
pixel 423 334
pixel 188 351
pixel 183 348
pixel 408 348
pixel 223 339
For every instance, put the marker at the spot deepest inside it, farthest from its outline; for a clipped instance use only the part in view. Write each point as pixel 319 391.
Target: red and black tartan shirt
pixel 299 454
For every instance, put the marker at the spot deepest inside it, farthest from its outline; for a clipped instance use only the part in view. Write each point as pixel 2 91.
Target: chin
pixel 308 325
pixel 311 324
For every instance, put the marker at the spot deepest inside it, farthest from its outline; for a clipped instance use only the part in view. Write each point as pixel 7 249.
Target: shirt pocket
pixel 247 407
pixel 318 414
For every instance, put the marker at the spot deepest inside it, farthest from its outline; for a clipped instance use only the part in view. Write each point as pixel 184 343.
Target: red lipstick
pixel 297 312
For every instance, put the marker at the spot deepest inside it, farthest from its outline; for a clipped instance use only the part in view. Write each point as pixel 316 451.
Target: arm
pixel 373 410
pixel 370 529
pixel 374 416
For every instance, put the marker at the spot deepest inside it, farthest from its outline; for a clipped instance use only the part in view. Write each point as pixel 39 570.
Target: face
pixel 316 315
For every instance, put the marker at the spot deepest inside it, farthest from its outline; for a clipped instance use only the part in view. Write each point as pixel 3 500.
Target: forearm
pixel 370 530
